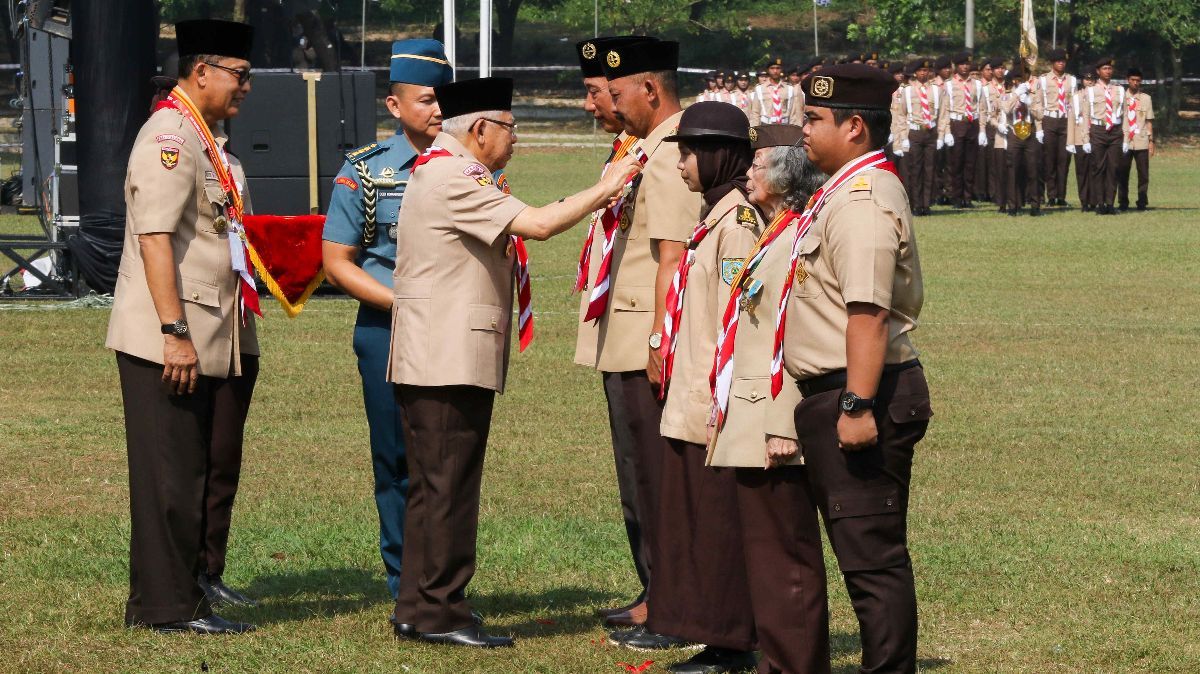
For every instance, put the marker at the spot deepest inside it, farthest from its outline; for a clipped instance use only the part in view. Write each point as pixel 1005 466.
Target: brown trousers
pixel 699 591
pixel 1083 176
pixel 1142 159
pixel 1024 168
pixel 983 168
pixel 445 432
pixel 786 569
pixel 920 166
pixel 1106 162
pixel 185 455
pixel 863 498
pixel 1056 159
pixel 998 175
pixel 961 160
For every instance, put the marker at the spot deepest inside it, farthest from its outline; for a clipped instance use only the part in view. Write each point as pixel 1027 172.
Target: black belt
pixel 832 381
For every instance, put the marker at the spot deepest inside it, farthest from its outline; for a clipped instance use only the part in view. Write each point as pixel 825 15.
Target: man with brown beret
pixel 849 305
pixel 1104 104
pixel 1055 90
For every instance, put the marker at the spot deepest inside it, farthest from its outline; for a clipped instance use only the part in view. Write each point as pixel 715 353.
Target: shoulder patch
pixel 348 182
pixel 169 137
pixel 745 216
pixel 730 267
pixel 169 156
pixel 364 152
pixel 860 183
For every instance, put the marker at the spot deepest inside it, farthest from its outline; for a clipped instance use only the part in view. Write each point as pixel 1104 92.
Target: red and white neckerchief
pixel 610 221
pixel 239 256
pixel 968 99
pixel 620 149
pixel 520 267
pixel 776 103
pixel 1131 115
pixel 721 378
pixel 1062 94
pixel 675 294
pixel 1109 120
pixel 872 160
pixel 925 114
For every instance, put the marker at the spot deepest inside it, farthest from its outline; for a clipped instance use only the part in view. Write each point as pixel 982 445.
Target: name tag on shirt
pixel 388 209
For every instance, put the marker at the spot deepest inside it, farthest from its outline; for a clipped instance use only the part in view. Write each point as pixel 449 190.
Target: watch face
pixel 655 341
pixel 848 401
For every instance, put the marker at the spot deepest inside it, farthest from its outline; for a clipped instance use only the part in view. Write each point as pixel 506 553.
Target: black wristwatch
pixel 178 329
pixel 850 402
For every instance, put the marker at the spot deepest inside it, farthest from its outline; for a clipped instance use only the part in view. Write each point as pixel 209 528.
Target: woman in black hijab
pixel 700 592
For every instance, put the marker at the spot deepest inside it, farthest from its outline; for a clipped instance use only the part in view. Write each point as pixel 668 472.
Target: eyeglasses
pixel 511 126
pixel 757 167
pixel 243 75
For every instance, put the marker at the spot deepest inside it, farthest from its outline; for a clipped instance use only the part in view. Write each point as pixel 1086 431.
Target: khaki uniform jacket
pixel 1145 113
pixel 452 311
pixel 171 187
pixel 861 248
pixel 1048 86
pixel 1010 104
pixel 734 227
pixel 956 101
pixel 914 120
pixel 1077 130
pixel 761 109
pixel 994 93
pixel 898 117
pixel 660 208
pixel 752 414
pixel 1091 101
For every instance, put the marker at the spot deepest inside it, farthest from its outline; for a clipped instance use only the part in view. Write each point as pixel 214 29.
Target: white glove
pixel 1087 148
pixel 982 139
pixel 1125 147
pixel 1022 89
pixel 904 146
pixel 890 137
pixel 1071 149
pixel 939 143
pixel 1041 136
pixel 1002 129
pixel 1025 99
pixel 899 153
pixel 949 139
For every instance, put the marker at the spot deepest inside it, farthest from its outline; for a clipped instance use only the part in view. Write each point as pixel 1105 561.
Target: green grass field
pixel 1055 523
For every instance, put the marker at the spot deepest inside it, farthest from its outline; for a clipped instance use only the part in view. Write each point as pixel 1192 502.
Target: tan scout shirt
pixel 955 91
pixel 734 226
pixel 1010 105
pixel 752 414
pixel 171 187
pixel 1092 101
pixel 914 118
pixel 1145 113
pixel 661 208
pixel 861 248
pixel 762 108
pixel 1048 87
pixel 898 117
pixel 452 311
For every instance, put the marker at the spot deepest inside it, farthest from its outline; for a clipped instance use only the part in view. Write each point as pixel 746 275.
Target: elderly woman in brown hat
pixel 757 435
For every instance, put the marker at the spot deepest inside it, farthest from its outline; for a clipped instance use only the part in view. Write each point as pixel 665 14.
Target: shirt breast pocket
pixel 388 210
pixel 804 285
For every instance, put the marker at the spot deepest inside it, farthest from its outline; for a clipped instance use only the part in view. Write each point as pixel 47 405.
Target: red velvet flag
pixel 286 252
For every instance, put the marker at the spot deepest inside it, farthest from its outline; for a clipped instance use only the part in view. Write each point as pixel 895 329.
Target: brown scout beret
pixel 775 135
pixel 851 85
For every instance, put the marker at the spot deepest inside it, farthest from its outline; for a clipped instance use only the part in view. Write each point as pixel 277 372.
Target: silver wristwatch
pixel 656 340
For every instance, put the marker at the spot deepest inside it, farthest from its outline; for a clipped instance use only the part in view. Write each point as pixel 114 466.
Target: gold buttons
pixel 195 297
pixel 633 301
pixel 494 323
pixel 220 225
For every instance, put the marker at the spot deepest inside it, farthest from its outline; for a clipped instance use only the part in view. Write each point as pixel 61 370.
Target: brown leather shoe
pixel 634 617
pixel 606 612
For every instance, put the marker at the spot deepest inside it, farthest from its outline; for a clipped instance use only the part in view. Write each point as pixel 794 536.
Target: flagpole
pixel 970 36
pixel 816 46
pixel 1054 35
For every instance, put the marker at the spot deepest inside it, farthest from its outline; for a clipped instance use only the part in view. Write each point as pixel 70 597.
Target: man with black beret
pixel 996 151
pixel 1020 124
pixel 1079 137
pixel 851 302
pixel 182 325
pixel 776 102
pixel 1104 104
pixel 964 96
pixel 452 319
pixel 942 72
pixel 919 137
pixel 602 235
pixel 1139 139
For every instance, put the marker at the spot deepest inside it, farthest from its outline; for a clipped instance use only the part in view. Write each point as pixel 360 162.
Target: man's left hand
pixel 856 430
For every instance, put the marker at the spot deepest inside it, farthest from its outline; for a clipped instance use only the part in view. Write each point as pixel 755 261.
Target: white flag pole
pixel 448 32
pixel 485 38
pixel 816 46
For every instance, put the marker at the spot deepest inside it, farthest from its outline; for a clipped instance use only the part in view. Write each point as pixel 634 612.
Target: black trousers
pixel 1024 164
pixel 961 159
pixel 983 167
pixel 863 498
pixel 998 175
pixel 1106 163
pixel 786 569
pixel 621 422
pixel 921 166
pixel 1056 159
pixel 1083 176
pixel 184 461
pixel 445 431
pixel 1142 159
pixel 699 591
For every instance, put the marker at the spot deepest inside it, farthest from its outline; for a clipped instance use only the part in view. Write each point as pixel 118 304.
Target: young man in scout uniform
pixel 182 325
pixel 741 95
pixel 942 72
pixel 776 102
pixel 1055 90
pixel 1083 147
pixel 897 71
pixel 359 255
pixel 850 303
pixel 461 242
pixel 926 123
pixel 964 97
pixel 628 297
pixel 994 155
pixel 982 73
pixel 601 236
pixel 706 603
pixel 1139 137
pixel 1104 103
pixel 1020 124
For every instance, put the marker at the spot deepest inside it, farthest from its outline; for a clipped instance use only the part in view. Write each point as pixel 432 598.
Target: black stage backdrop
pixel 113 52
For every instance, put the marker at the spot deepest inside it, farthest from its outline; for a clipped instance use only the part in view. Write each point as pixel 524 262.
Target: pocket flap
pixel 633 298
pixel 905 409
pixel 486 318
pixel 809 244
pixel 413 288
pixel 878 501
pixel 752 389
pixel 214 193
pixel 191 290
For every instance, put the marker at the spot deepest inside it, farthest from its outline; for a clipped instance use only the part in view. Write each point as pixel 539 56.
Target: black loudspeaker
pixel 270 135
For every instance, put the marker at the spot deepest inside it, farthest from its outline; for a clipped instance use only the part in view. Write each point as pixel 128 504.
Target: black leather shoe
pixel 471 636
pixel 402 630
pixel 213 624
pixel 476 617
pixel 219 593
pixel 1035 211
pixel 716 661
pixel 642 639
pixel 1014 212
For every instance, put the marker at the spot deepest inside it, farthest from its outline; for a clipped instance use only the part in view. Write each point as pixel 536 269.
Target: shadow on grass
pixel 847 644
pixel 287 597
pixel 557 612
